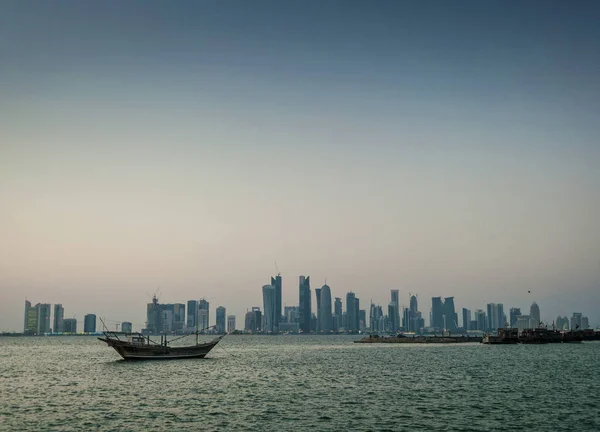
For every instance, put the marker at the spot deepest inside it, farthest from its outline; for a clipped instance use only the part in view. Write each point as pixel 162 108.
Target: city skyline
pixel 327 318
pixel 446 151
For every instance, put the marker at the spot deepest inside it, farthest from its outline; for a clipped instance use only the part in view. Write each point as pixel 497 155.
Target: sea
pixel 298 383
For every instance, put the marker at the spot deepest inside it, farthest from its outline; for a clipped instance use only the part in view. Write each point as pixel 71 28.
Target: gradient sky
pixel 439 148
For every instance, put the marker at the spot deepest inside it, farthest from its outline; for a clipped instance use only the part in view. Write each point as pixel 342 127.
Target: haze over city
pixel 447 151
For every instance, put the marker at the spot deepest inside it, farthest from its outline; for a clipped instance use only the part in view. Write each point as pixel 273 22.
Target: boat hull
pixel 159 352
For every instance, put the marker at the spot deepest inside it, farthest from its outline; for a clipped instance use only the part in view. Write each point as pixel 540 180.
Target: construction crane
pixel 277 268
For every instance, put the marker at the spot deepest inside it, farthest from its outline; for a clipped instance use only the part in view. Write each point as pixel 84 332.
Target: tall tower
pixel 534 313
pixel 351 312
pixel 220 322
pixel 268 292
pixel 325 320
pixel 318 297
pixel 203 315
pixel 276 283
pixel 305 304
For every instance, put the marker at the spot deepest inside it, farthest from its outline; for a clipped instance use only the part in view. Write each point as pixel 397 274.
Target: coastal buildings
pixel 89 323
pixel 70 325
pixel 192 315
pixel 534 313
pixel 304 304
pixel 514 314
pixel 203 315
pixel 126 327
pixel 230 323
pixel 269 319
pixel 276 283
pixel 43 318
pixel 59 315
pixel 352 307
pixel 466 319
pixel 220 320
pixel 325 318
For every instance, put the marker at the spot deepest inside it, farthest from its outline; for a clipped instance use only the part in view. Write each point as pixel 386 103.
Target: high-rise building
pixel 203 315
pixel 337 314
pixel 481 319
pixel 585 323
pixel 192 315
pixel 562 323
pixel 450 315
pixel 534 313
pixel 43 318
pixel 220 320
pixel 276 283
pixel 291 314
pixel 495 315
pixel 153 316
pixel 258 319
pixel 576 321
pixel 318 297
pixel 230 323
pixel 305 304
pixel 268 292
pixel 466 319
pixel 437 313
pixel 178 317
pixel 249 324
pixel 514 313
pixel 59 315
pixel 31 319
pixel 126 327
pixel 351 313
pixel 326 319
pixel 362 318
pixel 89 323
pixel 394 312
pixel 524 322
pixel 69 325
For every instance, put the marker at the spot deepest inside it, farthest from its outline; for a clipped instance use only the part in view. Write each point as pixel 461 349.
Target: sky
pixel 439 148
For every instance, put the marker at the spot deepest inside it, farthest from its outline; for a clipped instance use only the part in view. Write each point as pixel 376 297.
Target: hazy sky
pixel 439 148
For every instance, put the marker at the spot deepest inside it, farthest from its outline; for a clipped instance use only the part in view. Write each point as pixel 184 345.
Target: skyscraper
pixel 192 315
pixel 43 318
pixel 576 321
pixel 126 327
pixel 514 313
pixel 31 319
pixel 338 314
pixel 203 315
pixel 230 323
pixel 276 282
pixel 534 313
pixel 437 313
pixel 495 316
pixel 59 315
pixel 305 304
pixel 220 323
pixel 89 323
pixel 394 311
pixel 450 316
pixel 318 297
pixel 268 292
pixel 481 320
pixel 178 317
pixel 351 313
pixel 326 322
pixel 69 325
pixel 466 319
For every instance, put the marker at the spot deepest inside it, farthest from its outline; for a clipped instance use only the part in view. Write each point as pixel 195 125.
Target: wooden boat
pixel 135 346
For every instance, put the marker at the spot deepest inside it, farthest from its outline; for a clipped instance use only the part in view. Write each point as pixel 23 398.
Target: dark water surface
pixel 300 383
